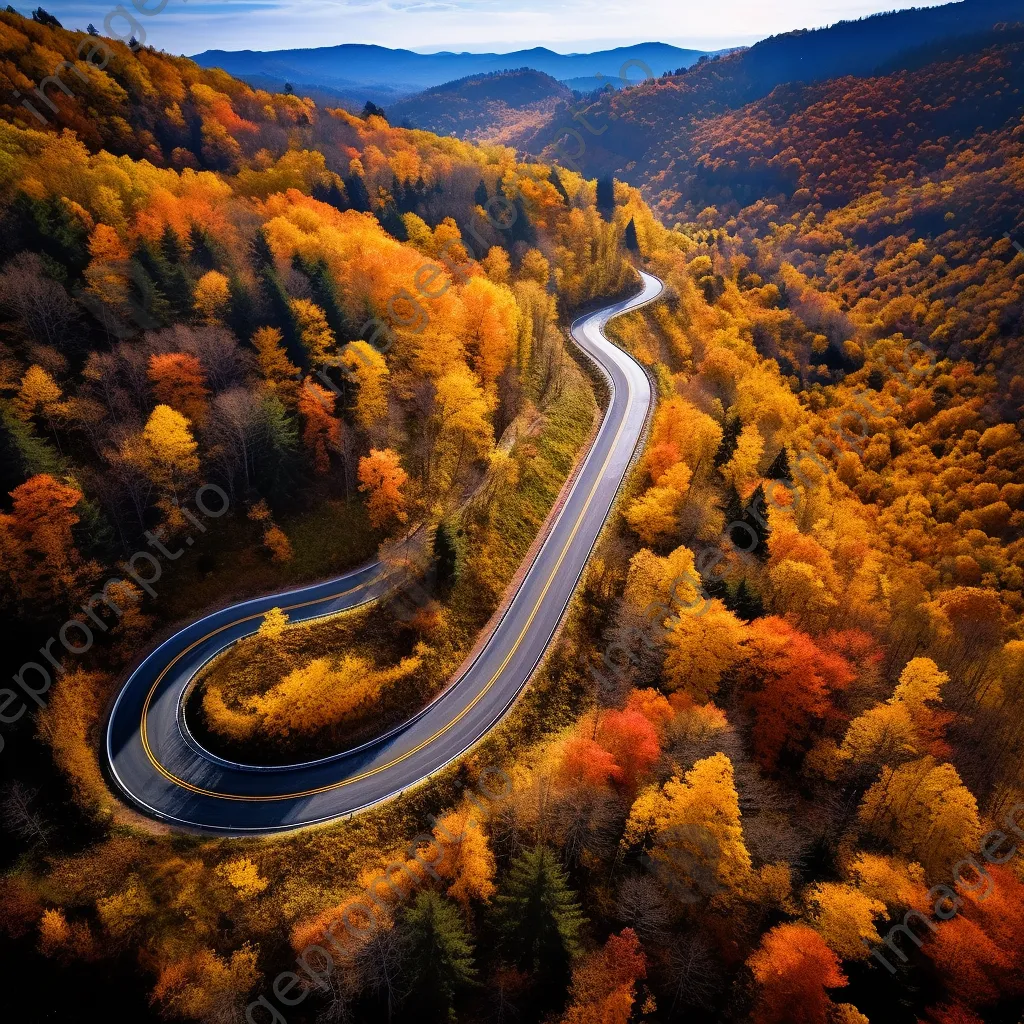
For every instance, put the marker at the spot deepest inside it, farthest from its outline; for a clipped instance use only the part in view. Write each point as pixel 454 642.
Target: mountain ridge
pixel 349 66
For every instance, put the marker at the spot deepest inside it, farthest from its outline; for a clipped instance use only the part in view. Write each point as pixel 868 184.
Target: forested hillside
pixel 507 107
pixel 770 771
pixel 242 314
pixel 639 134
pixel 816 147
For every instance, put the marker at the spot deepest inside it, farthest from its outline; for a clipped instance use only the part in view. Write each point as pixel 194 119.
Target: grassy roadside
pixel 328 538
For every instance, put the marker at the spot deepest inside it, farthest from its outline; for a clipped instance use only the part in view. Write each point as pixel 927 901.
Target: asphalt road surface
pixel 165 772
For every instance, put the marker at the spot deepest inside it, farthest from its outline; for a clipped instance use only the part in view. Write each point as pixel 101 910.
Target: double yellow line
pixel 252 798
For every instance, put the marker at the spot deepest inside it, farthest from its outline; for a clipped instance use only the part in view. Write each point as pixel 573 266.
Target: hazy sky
pixel 190 26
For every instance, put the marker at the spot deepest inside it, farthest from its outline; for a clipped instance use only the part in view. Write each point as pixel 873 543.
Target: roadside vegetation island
pixel 292 401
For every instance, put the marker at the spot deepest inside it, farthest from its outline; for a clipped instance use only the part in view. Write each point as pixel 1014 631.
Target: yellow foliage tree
pixel 659 586
pixel 208 987
pixel 845 918
pixel 742 469
pixel 274 624
pixel 463 425
pixel 106 275
pixel 681 431
pixel 39 394
pixel 534 267
pixel 244 877
pixel 497 266
pixel 318 695
pixel 122 912
pixel 491 322
pixel 654 516
pixel 898 883
pixel 67 724
pixel 279 372
pixel 702 646
pixel 924 810
pixel 465 861
pixel 366 366
pixel 212 294
pixel 693 829
pixel 316 336
pixel 166 450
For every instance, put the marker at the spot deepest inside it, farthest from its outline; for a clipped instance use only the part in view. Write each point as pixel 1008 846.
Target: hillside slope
pixel 499 107
pixel 635 128
pixel 824 144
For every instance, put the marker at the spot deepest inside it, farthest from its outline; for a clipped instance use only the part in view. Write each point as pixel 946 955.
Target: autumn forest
pixel 771 765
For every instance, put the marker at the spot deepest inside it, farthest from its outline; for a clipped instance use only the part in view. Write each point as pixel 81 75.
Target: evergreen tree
pixel 260 253
pixel 446 555
pixel 242 315
pixel 559 187
pixel 151 258
pixel 92 30
pixel 414 195
pixel 355 187
pixel 45 18
pixel 276 470
pixel 779 469
pixel 522 229
pixel 730 438
pixel 732 508
pixel 539 920
pixel 45 226
pixel 398 193
pixel 391 221
pixel 325 294
pixel 757 516
pixel 172 247
pixel 28 453
pixel 714 586
pixel 150 308
pixel 480 196
pixel 372 109
pixel 745 603
pixel 178 284
pixel 205 249
pixel 630 240
pixel 282 317
pixel 441 954
pixel 606 194
pixel 333 193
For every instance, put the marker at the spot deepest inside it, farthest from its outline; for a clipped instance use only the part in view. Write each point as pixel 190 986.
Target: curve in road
pixel 162 770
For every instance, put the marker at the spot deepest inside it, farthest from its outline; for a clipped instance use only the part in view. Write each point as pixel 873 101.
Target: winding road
pixel 161 768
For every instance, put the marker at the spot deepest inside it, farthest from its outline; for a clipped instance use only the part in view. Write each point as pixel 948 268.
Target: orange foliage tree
pixel 381 474
pixel 788 680
pixel 793 969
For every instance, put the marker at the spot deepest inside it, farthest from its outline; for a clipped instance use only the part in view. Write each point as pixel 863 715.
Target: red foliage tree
pixel 632 740
pixel 179 381
pixel 788 679
pixel 586 763
pixel 793 967
pixel 980 953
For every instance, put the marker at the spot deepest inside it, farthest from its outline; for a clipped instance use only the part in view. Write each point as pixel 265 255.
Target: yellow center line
pixel 252 798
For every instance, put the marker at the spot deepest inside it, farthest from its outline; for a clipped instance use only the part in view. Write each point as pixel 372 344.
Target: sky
pixel 191 26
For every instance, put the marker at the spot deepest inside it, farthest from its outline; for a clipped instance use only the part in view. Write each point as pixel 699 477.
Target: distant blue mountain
pixel 352 68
